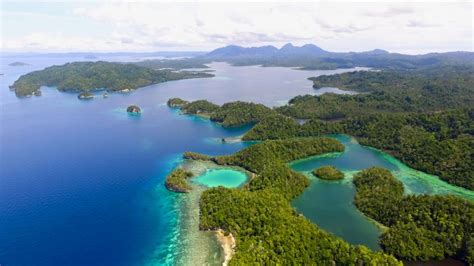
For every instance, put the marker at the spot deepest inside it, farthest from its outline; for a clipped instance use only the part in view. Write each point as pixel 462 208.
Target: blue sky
pixel 66 26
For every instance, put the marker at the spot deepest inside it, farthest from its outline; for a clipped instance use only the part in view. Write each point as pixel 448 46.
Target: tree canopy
pixel 259 215
pixel 421 227
pixel 88 76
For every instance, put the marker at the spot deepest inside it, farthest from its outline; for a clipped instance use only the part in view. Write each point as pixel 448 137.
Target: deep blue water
pixel 81 182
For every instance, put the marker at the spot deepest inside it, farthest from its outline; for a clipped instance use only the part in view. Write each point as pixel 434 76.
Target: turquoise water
pixel 221 177
pixel 329 204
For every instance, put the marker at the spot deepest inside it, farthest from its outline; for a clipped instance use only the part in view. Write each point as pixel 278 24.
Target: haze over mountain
pixel 269 50
pixel 311 56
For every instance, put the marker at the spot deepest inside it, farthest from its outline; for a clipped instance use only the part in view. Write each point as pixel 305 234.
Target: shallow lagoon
pixel 221 177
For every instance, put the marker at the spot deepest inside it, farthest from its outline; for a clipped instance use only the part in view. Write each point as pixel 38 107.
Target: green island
pixel 259 215
pixel 328 172
pixel 133 109
pixel 90 76
pixel 176 181
pixel 421 227
pixel 199 107
pixel 176 102
pixel 233 114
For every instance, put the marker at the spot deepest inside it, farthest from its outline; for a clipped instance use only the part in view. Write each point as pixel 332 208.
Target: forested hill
pixel 428 90
pixel 87 76
pixel 310 56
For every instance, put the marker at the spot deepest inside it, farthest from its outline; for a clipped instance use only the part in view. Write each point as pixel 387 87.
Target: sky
pixel 144 26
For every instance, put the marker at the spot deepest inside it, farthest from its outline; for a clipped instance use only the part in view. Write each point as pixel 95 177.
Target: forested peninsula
pixel 260 217
pixel 89 76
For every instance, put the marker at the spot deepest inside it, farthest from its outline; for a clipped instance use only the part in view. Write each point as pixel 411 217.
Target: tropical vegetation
pixel 177 181
pixel 328 172
pixel 88 76
pixel 259 215
pixel 421 227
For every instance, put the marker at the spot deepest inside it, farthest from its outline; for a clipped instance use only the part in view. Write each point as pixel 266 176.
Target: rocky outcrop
pixel 85 96
pixel 133 109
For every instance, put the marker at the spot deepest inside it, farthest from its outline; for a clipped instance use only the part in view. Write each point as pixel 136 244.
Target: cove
pixel 329 204
pixel 221 177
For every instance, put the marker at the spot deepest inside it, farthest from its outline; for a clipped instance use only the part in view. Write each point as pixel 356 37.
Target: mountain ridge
pixel 311 56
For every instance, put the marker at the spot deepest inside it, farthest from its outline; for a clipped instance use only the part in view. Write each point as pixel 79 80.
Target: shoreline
pixel 214 246
pixel 227 244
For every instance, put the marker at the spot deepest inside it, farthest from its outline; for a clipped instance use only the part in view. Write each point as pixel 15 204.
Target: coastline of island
pixel 228 245
pixel 193 167
pixel 84 77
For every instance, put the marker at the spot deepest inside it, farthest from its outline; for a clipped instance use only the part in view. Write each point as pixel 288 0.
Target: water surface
pixel 82 181
pixel 221 177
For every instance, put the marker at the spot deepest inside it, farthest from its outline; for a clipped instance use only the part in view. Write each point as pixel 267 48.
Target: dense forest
pixel 232 114
pixel 260 216
pixel 328 172
pixel 420 227
pixel 201 107
pixel 441 143
pixel 176 102
pixel 87 76
pixel 177 181
pixel 427 90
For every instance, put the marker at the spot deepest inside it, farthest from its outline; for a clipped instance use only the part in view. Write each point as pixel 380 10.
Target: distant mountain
pixel 234 51
pixel 307 49
pixel 310 56
pixel 267 51
pixel 376 52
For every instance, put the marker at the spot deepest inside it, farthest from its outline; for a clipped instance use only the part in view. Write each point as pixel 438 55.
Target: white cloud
pixel 338 26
